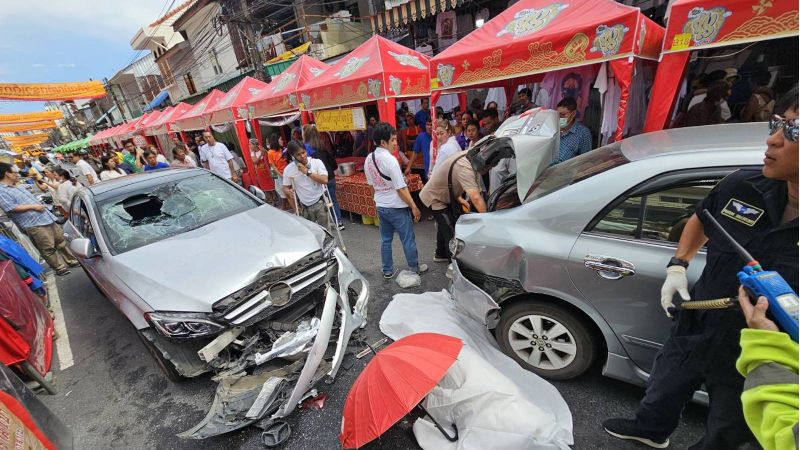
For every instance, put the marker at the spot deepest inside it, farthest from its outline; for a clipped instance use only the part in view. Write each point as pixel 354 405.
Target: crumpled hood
pixel 193 270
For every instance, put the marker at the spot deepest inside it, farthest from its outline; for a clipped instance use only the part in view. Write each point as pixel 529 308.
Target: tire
pixel 565 340
pixel 166 366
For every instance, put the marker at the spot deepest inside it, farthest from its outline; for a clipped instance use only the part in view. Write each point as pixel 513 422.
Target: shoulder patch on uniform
pixel 742 212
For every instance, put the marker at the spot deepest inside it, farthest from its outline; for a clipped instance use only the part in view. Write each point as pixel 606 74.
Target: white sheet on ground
pixel 493 401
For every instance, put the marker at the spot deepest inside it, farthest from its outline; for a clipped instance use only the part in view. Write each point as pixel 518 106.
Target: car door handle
pixel 608 267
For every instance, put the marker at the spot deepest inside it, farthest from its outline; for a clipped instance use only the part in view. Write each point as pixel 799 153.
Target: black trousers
pixel 445 230
pixel 702 349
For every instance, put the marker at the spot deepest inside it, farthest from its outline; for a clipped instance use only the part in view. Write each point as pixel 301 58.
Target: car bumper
pixel 473 300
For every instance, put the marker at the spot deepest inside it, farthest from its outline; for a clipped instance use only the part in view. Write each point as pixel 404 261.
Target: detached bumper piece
pixel 286 373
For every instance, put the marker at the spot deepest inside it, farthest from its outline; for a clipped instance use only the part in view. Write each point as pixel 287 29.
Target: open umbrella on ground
pixel 394 383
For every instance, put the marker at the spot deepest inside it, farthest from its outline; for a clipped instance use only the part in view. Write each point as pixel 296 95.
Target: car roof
pixel 138 181
pixel 710 138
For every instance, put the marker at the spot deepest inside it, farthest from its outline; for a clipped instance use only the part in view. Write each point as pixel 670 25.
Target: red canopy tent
pixel 232 108
pixel 194 118
pixel 699 24
pixel 536 36
pixel 378 70
pixel 281 95
pixel 162 125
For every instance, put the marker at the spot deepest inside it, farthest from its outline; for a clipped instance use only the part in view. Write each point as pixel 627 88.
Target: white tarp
pixel 493 401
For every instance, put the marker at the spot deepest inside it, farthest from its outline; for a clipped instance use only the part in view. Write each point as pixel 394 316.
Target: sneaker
pixel 389 275
pixel 62 272
pixel 422 269
pixel 74 264
pixel 626 429
pixel 341 226
pixel 437 258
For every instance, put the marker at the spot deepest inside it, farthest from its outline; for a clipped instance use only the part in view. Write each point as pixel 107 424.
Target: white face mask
pixel 563 122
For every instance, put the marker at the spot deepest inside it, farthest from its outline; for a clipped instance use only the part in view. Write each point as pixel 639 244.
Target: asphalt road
pixel 114 396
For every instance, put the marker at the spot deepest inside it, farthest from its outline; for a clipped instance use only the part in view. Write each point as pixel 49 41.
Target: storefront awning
pixel 157 101
pixel 280 97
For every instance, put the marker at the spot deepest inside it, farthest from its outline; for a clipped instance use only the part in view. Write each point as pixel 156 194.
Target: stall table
pixel 355 195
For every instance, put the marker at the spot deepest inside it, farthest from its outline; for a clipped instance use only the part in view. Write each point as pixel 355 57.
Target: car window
pixel 658 216
pixel 573 170
pixel 142 217
pixel 75 213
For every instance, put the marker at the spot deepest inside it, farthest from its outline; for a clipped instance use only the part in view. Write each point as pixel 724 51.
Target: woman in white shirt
pixel 110 169
pixel 448 145
pixel 66 188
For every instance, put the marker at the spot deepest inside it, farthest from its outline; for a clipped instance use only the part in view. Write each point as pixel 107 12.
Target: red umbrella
pixel 394 383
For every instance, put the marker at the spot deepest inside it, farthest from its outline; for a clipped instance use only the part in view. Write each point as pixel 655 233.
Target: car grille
pixel 256 301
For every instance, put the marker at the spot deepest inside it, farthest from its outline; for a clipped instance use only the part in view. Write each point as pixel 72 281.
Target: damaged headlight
pixel 456 246
pixel 328 245
pixel 183 325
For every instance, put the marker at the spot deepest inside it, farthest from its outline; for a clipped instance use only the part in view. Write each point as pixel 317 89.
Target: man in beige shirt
pixel 437 196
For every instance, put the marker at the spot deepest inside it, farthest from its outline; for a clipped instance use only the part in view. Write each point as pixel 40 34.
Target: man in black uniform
pixel 759 209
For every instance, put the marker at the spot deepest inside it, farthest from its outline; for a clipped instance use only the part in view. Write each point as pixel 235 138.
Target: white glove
pixel 675 282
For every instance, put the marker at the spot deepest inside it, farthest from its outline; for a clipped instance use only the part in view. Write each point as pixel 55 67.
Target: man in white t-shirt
pixel 86 173
pixel 216 157
pixel 310 177
pixel 396 209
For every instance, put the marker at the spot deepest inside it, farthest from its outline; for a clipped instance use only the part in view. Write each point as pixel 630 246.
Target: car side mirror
pixel 258 193
pixel 82 248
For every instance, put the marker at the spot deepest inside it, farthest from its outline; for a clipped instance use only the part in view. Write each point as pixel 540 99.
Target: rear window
pixel 576 169
pixel 140 218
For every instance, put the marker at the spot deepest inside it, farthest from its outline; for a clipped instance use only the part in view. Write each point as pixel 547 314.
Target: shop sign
pixel 341 119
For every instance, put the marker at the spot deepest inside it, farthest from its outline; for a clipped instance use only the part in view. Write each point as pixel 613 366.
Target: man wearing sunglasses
pixel 758 207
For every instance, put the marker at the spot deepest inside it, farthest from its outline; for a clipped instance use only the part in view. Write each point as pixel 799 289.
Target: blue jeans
pixel 397 219
pixel 332 191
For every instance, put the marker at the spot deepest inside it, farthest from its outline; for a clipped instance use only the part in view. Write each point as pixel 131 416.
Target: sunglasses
pixel 789 127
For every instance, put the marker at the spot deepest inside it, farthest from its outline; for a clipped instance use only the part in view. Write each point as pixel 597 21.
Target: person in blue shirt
pixel 422 145
pixel 152 162
pixel 576 139
pixel 424 114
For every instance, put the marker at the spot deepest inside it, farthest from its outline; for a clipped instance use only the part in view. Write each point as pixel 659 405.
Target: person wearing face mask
pixel 576 139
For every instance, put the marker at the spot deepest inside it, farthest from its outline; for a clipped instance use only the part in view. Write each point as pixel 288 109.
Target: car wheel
pixel 164 364
pixel 546 339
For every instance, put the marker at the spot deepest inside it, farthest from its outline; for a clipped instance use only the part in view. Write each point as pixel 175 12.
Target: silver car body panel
pixel 542 246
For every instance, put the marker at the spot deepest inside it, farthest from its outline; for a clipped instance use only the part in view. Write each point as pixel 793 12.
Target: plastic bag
pixel 407 279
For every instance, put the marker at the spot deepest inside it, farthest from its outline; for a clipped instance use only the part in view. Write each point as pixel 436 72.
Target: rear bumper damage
pixel 268 383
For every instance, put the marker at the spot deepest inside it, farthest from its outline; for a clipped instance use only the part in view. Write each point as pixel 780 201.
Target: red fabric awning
pixel 281 95
pixel 233 105
pixel 535 36
pixel 696 24
pixel 162 124
pixel 193 119
pixel 377 69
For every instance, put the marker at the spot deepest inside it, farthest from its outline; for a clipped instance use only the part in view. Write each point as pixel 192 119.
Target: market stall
pixel 194 119
pixel 163 125
pixel 534 37
pixel 379 71
pixel 281 97
pixel 702 24
pixel 231 110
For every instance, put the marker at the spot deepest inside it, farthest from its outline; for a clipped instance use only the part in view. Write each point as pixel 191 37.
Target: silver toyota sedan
pixel 214 279
pixel 571 271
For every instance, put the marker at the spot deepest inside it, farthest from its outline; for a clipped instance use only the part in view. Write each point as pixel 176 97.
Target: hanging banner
pixel 27 139
pixel 341 119
pixel 31 117
pixel 44 125
pixel 52 91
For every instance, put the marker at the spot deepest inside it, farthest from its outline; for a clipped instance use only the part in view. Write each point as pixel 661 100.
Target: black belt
pixel 309 206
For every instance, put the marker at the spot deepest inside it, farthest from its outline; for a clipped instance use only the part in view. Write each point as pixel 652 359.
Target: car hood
pixel 193 270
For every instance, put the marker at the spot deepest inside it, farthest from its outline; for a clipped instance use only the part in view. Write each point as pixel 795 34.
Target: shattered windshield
pixel 140 218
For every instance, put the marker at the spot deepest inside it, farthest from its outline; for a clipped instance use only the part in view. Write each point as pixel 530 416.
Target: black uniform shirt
pixel 749 206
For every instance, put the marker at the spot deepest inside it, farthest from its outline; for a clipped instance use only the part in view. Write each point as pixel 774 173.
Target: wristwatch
pixel 675 261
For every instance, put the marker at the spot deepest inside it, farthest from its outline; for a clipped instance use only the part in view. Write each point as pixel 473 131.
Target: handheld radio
pixel 783 303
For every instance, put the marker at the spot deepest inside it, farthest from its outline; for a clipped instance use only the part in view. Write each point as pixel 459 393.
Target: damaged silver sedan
pixel 214 280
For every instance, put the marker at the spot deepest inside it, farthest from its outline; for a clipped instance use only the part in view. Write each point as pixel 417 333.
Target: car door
pixel 80 225
pixel 618 262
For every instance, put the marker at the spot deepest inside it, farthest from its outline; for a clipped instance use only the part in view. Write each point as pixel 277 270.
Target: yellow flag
pixel 51 91
pixel 31 117
pixel 43 125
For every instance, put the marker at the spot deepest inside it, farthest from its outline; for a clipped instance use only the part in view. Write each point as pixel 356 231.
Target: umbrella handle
pixel 439 427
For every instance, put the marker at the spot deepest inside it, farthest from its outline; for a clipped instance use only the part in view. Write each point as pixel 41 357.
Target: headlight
pixel 456 246
pixel 183 325
pixel 328 245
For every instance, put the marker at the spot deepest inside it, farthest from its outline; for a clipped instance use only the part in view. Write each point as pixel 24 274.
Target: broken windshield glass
pixel 177 206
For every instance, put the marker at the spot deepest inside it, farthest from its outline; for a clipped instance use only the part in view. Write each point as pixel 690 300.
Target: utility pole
pixel 250 36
